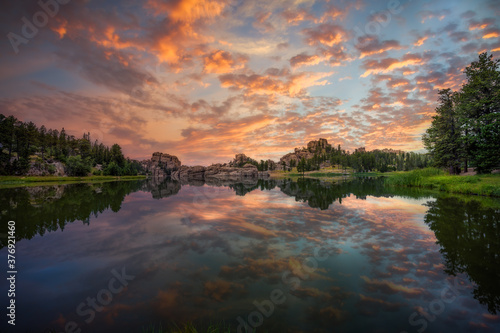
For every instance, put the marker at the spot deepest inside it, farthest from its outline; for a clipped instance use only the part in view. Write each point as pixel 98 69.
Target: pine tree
pixel 442 139
pixel 479 110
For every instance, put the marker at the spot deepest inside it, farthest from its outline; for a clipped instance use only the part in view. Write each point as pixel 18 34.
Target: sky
pixel 206 79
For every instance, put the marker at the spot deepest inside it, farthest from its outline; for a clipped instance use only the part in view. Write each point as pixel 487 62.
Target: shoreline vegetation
pixel 437 179
pixel 428 178
pixel 23 181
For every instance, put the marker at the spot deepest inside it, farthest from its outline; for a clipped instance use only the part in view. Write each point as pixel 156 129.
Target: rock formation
pixel 161 165
pixel 240 169
pixel 240 160
pixel 219 172
pixel 187 172
pixel 320 146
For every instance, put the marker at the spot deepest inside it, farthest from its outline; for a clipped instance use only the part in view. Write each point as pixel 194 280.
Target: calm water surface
pixel 280 256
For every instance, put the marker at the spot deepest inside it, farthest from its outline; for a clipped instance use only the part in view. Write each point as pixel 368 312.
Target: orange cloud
pixel 369 45
pixel 221 62
pixel 491 33
pixel 480 25
pixel 113 40
pixel 61 30
pixel 389 64
pixel 294 17
pixel 187 10
pixel 326 34
pixel 420 41
pixel 304 59
pixel 439 14
pixel 393 83
pixel 289 85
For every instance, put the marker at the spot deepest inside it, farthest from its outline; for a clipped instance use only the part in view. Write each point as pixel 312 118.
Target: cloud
pixel 389 64
pixel 422 37
pixel 263 23
pixel 304 59
pixel 296 16
pixel 369 45
pixel 337 12
pixel 186 10
pixel 389 287
pixel 326 34
pixel 220 61
pixel 482 24
pixel 110 70
pixel 428 15
pixel 291 85
pixel 491 33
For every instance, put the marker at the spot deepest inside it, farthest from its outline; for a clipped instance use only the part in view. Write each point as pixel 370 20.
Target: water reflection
pixel 469 236
pixel 205 253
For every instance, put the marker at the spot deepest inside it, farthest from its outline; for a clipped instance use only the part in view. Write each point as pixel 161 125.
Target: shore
pixel 23 181
pixel 484 185
pixel 429 178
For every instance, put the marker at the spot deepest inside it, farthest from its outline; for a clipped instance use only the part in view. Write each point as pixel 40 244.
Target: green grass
pixel 486 185
pixel 325 174
pixel 21 181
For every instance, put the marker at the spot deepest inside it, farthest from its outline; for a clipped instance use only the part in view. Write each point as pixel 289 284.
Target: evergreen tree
pixel 442 139
pixel 302 165
pixel 479 110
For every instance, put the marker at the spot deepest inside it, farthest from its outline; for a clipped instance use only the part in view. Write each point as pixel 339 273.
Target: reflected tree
pixel 41 209
pixel 469 235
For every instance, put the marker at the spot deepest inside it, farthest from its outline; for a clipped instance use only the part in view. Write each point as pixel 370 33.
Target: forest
pixel 23 143
pixel 465 132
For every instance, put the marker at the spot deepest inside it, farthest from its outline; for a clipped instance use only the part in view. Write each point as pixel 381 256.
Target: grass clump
pixel 414 177
pixel 485 185
pixel 22 181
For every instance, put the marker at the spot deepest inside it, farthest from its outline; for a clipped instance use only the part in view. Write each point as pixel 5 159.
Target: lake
pixel 272 255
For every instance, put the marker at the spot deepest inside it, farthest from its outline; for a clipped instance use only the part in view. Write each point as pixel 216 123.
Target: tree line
pixel 465 132
pixel 362 161
pixel 23 145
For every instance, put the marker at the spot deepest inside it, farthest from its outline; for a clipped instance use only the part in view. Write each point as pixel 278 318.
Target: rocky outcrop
pixel 320 146
pixel 296 156
pixel 186 172
pixel 161 165
pixel 219 172
pixel 46 168
pixel 240 160
pixel 168 161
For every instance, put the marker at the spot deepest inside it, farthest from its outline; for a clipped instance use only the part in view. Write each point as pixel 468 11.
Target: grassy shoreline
pixel 23 181
pixel 428 178
pixel 431 178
